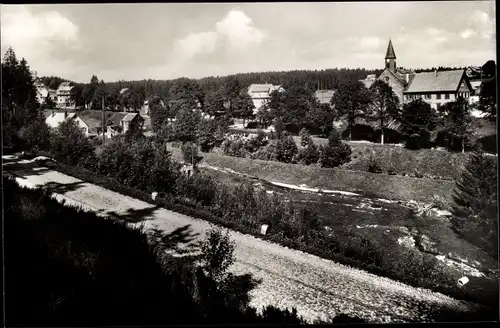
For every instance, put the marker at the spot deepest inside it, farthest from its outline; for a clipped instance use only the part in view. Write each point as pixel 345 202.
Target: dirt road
pixel 318 288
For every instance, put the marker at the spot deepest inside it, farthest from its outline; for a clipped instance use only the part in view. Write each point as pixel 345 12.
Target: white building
pixel 55 118
pixel 64 99
pixel 261 93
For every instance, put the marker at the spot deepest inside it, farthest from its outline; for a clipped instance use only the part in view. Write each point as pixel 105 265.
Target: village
pixel 336 194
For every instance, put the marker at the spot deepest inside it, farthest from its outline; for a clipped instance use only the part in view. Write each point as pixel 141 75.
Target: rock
pixel 404 230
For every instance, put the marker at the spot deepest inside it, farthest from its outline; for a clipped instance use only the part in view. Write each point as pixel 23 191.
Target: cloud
pixel 36 36
pixel 482 24
pixel 22 28
pixel 198 43
pixel 467 33
pixel 234 32
pixel 238 30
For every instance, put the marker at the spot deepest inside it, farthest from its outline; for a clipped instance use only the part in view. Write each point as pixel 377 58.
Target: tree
pixel 134 131
pixel 457 121
pixel 321 117
pixel 336 152
pixel 36 135
pixel 418 119
pixel 286 149
pixel 487 95
pixel 217 254
pixel 475 202
pixel 242 106
pixel 186 124
pixel 384 105
pixel 264 116
pixel 19 103
pixel 159 114
pixel 351 100
pixel 70 146
pixel 214 104
pixel 207 134
pixel 190 153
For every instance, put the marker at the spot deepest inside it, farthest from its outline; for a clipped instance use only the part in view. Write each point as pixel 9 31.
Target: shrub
pixel 286 149
pixel 267 153
pixel 361 132
pixel 305 137
pixel 413 142
pixel 70 146
pixel 336 153
pixel 308 155
pixel 234 148
pixel 488 143
pixel 190 153
pixel 374 165
pixel 392 171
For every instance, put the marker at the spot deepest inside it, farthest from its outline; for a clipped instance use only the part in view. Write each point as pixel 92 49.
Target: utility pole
pixel 103 123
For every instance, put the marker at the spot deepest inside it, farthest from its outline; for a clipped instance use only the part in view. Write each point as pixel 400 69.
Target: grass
pixel 367 184
pixel 344 213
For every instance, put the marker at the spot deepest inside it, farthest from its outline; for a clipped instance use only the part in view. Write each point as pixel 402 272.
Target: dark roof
pixel 111 118
pixel 444 81
pixel 390 51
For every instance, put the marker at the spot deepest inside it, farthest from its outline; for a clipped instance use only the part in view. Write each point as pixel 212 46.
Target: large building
pixel 261 93
pixel 436 88
pixel 64 99
pixel 43 92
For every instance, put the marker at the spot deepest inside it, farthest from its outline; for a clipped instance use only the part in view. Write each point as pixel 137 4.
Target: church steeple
pixel 390 58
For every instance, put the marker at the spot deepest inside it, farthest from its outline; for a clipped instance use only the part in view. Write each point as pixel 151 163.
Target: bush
pixel 286 149
pixel 361 132
pixel 190 153
pixel 374 165
pixel 234 148
pixel 413 142
pixel 336 153
pixel 392 171
pixel 488 143
pixel 391 136
pixel 305 137
pixel 267 153
pixel 308 155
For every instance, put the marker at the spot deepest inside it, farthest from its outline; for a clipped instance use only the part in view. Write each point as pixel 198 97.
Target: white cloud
pixel 36 35
pixel 467 33
pixel 235 31
pixel 22 28
pixel 198 43
pixel 481 23
pixel 238 29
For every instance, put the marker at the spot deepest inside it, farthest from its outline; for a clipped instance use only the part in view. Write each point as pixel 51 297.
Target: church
pixel 435 88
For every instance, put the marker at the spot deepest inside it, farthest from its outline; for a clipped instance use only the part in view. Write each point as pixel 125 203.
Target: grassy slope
pixel 376 185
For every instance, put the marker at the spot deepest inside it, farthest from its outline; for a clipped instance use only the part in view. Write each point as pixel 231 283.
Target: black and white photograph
pixel 249 163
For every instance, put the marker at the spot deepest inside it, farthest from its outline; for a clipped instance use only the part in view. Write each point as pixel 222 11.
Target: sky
pixel 167 41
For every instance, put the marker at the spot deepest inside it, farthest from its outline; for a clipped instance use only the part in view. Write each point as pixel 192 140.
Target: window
pixel 427 96
pixel 447 96
pixel 438 105
pixel 438 96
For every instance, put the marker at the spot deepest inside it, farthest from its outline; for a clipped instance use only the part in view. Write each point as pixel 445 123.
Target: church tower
pixel 390 58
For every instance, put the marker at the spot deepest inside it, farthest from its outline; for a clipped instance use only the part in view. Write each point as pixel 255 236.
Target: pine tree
pixel 475 209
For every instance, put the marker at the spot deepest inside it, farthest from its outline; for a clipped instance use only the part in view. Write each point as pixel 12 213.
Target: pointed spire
pixel 390 51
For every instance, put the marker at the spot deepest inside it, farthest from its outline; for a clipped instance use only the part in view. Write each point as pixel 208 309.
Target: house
pixel 129 119
pixel 324 96
pixel 435 88
pixel 53 119
pixel 261 93
pixel 439 87
pixel 64 99
pixel 369 80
